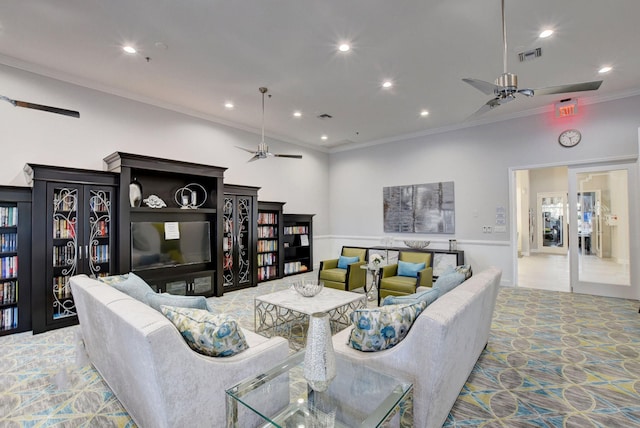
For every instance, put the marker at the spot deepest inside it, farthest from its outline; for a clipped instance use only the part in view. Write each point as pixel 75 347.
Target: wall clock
pixel 569 138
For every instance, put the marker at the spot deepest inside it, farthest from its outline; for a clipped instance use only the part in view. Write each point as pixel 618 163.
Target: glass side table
pixel 357 397
pixel 375 272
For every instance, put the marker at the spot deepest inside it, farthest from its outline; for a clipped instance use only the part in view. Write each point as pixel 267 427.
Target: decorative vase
pixel 319 356
pixel 135 193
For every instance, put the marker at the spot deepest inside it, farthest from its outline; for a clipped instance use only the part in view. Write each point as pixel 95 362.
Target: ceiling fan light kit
pixel 263 150
pixel 505 87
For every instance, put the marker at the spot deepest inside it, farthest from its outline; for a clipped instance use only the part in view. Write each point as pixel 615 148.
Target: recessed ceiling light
pixel 324 137
pixel 129 49
pixel 387 84
pixel 344 47
pixel 545 34
pixel 297 114
pixel 424 113
pixel 605 69
pixel 229 105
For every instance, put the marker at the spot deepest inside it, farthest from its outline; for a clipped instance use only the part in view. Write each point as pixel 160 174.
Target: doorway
pixel 571 235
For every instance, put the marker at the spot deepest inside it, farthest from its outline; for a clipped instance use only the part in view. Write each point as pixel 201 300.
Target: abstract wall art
pixel 419 208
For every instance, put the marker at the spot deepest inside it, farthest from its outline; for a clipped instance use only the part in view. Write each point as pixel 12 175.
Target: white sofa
pixel 441 349
pixel 159 380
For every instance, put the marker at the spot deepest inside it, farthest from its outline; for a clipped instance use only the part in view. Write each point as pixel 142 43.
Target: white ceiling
pixel 224 50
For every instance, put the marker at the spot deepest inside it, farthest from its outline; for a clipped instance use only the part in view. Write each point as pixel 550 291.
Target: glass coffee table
pixel 286 313
pixel 357 397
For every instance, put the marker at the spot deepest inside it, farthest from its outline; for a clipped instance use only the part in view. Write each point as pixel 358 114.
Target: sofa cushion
pixel 155 300
pixel 401 284
pixel 133 286
pixel 215 335
pixel 428 296
pixel 409 269
pixel 344 261
pixel 377 329
pixel 448 280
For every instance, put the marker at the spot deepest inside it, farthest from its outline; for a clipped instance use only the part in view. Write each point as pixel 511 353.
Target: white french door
pixel 601 231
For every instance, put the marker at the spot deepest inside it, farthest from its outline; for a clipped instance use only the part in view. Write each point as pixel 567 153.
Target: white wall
pixel 478 160
pixel 110 123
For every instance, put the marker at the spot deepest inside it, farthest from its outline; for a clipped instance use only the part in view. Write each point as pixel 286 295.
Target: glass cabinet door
pixel 64 250
pixel 227 241
pixel 99 248
pixel 244 239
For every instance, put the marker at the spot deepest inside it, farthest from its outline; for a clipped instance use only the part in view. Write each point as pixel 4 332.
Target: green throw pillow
pixel 377 329
pixel 343 261
pixel 428 296
pixel 134 286
pixel 155 300
pixel 409 269
pixel 214 335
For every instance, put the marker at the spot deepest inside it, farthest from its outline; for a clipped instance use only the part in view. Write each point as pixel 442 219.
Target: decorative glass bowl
pixel 417 245
pixel 308 288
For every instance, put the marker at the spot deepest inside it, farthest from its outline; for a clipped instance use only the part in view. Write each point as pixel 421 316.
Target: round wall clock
pixel 569 138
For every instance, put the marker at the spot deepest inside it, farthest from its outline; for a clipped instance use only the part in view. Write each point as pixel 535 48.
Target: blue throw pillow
pixel 409 269
pixel 448 281
pixel 155 300
pixel 429 296
pixel 343 261
pixel 134 286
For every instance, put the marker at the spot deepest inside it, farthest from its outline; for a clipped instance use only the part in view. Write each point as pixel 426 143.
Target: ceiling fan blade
pixel 254 158
pixel 246 150
pixel 41 107
pixel 289 156
pixel 489 105
pixel 575 87
pixel 482 86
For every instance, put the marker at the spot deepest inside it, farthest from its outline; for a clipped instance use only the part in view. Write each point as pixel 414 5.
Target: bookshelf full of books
pixel 15 219
pixel 269 235
pixel 298 243
pixel 74 235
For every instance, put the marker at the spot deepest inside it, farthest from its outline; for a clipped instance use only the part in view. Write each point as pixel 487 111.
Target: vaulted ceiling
pixel 196 55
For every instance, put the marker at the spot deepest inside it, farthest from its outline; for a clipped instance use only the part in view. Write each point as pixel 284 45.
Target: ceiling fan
pixel 263 150
pixel 506 86
pixel 49 109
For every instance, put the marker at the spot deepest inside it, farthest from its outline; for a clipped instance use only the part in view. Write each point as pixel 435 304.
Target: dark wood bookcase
pixel 72 233
pixel 15 259
pixel 239 216
pixel 297 243
pixel 194 195
pixel 270 233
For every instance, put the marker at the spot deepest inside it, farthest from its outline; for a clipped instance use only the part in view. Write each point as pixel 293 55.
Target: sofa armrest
pixel 389 270
pixel 329 264
pixel 425 277
pixel 356 276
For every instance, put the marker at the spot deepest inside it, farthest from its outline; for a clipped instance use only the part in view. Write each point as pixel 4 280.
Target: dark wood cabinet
pixel 297 243
pixel 175 244
pixel 73 233
pixel 270 233
pixel 239 243
pixel 15 256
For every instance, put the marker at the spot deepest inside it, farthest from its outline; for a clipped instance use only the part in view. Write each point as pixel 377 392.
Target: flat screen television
pixel 166 244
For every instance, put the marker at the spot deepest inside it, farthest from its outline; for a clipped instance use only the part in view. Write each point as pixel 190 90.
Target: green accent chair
pixel 345 279
pixel 391 284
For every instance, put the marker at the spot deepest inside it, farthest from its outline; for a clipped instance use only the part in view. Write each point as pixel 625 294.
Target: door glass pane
pixel 244 239
pixel 65 250
pixel 227 243
pixel 99 232
pixel 602 227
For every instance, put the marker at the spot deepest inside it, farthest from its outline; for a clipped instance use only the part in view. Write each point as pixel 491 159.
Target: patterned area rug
pixel 553 360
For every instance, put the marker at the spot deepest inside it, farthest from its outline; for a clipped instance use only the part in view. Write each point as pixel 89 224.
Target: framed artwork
pixel 419 208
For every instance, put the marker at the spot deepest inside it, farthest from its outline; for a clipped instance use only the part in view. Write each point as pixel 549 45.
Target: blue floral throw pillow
pixel 382 328
pixel 215 335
